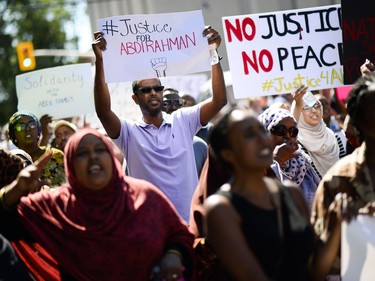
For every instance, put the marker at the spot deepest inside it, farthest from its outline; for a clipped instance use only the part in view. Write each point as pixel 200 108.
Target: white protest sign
pixel 61 92
pixel 274 53
pixel 155 45
pixel 358 249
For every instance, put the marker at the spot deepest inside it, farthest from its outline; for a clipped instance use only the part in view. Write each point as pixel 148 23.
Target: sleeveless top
pixel 281 258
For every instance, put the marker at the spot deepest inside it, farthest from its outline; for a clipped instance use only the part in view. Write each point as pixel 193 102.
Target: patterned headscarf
pixel 272 116
pixel 13 121
pixel 293 169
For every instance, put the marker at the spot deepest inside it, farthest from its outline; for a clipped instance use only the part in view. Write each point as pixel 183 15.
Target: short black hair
pixel 135 85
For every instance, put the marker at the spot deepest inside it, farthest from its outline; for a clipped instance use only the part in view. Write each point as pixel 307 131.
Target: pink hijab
pixel 117 233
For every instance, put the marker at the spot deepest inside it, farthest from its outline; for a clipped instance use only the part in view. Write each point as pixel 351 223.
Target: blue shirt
pixel 164 156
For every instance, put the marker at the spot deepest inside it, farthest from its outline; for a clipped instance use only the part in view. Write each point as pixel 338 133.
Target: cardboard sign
pixel 358 27
pixel 358 249
pixel 61 92
pixel 274 53
pixel 156 45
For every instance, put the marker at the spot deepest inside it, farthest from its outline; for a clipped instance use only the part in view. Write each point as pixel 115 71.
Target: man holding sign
pixel 159 148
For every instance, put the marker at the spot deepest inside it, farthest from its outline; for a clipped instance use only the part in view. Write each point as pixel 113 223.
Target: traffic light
pixel 26 58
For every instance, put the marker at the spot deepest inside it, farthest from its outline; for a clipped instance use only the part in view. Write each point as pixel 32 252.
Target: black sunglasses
pixel 147 90
pixel 281 131
pixel 176 102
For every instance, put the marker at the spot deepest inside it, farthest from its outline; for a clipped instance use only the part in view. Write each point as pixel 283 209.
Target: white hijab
pixel 321 144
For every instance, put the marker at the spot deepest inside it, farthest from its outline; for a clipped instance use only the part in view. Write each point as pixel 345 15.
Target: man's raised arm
pixel 108 118
pixel 212 106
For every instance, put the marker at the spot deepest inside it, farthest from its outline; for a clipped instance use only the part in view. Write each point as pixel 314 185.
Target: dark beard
pixel 155 111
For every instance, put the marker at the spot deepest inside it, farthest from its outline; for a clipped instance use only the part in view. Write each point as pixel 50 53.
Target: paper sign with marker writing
pixel 61 92
pixel 154 45
pixel 274 53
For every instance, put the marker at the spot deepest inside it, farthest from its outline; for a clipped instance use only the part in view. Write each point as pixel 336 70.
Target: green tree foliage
pixel 39 21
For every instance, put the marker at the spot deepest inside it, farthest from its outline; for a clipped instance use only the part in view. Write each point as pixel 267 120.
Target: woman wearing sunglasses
pixel 24 131
pixel 317 139
pixel 290 162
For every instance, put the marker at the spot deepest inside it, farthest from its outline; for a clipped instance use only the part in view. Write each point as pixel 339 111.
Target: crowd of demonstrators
pixel 258 227
pixel 95 226
pixel 261 196
pixel 290 162
pixel 327 213
pixel 25 132
pixel 159 147
pixel 172 102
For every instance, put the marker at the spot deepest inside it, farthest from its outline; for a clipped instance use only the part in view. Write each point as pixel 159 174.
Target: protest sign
pixel 274 53
pixel 61 92
pixel 155 45
pixel 358 249
pixel 358 27
pixel 342 93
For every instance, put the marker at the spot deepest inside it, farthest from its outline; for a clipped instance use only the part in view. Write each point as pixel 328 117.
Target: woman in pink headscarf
pixel 103 225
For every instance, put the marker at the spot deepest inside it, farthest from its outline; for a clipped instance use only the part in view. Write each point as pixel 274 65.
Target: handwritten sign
pixel 274 53
pixel 358 249
pixel 61 92
pixel 358 21
pixel 157 45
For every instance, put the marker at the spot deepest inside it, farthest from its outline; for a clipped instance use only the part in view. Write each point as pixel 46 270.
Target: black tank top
pixel 281 259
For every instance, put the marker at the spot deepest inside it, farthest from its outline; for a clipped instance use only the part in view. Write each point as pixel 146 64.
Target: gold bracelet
pixel 175 252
